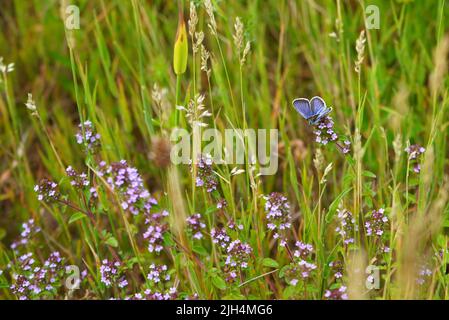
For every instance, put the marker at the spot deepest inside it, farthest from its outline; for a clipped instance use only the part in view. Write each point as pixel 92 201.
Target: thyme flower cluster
pixel 238 255
pixel 196 224
pixel 128 183
pixel 302 266
pixel 337 268
pixel 159 285
pixel 220 237
pixel 29 229
pixel 47 191
pixel 205 175
pixel 336 294
pixel 87 136
pixel 415 151
pixel 156 227
pixel 375 227
pixel 278 215
pixel 80 181
pixel 325 134
pixel 347 226
pixel 32 280
pixel 424 273
pixel 111 273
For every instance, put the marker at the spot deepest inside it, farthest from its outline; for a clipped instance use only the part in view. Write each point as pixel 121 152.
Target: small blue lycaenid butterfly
pixel 312 110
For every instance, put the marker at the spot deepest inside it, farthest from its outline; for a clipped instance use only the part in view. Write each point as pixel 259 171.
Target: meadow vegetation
pixel 358 207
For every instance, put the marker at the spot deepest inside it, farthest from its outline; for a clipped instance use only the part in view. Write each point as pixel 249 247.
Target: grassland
pixel 388 88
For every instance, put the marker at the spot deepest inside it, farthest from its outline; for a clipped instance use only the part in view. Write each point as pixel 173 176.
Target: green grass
pixel 114 69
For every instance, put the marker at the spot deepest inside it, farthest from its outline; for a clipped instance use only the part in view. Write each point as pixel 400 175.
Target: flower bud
pixel 180 52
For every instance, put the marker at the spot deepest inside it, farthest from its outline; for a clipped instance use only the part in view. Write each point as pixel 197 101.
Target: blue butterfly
pixel 313 111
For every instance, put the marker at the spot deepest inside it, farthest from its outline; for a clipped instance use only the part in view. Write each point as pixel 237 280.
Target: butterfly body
pixel 313 111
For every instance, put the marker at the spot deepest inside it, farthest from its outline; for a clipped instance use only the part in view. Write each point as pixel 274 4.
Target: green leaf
pixel 334 205
pixel 411 198
pixel 413 182
pixel 234 296
pixel 368 174
pixel 311 288
pixel 131 262
pixel 282 271
pixel 288 292
pixel 168 240
pixel 268 262
pixel 218 282
pixel 211 209
pixel 112 242
pixel 351 160
pixel 76 216
pixel 200 250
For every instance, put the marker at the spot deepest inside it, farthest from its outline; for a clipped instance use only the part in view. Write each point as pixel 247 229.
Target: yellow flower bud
pixel 181 49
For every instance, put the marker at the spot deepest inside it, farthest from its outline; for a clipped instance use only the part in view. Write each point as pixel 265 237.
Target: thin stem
pixel 178 92
pixel 227 76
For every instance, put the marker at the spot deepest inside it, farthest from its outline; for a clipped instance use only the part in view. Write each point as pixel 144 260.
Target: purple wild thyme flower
pixel 375 227
pixel 238 255
pixel 337 268
pixel 149 294
pixel 297 271
pixel 159 286
pixel 158 273
pixel 306 268
pixel 336 294
pixel 415 151
pixel 128 183
pixel 375 224
pixel 87 136
pixel 303 251
pixel 29 229
pixel 47 191
pixel 111 273
pixel 78 181
pixel 346 146
pixel 32 280
pixel 221 204
pixel 220 237
pixel 155 230
pixel 205 175
pixel 302 267
pixel 347 226
pixel 424 273
pixel 325 133
pixel 441 253
pixel 194 296
pixel 196 224
pixel 233 226
pixel 370 279
pixel 278 215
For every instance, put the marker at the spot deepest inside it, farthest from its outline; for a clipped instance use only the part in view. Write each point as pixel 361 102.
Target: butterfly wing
pixel 317 105
pixel 324 112
pixel 302 105
pixel 319 108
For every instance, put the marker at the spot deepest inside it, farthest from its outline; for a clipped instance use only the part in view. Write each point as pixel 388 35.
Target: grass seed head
pixel 440 61
pixel 360 48
pixel 210 12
